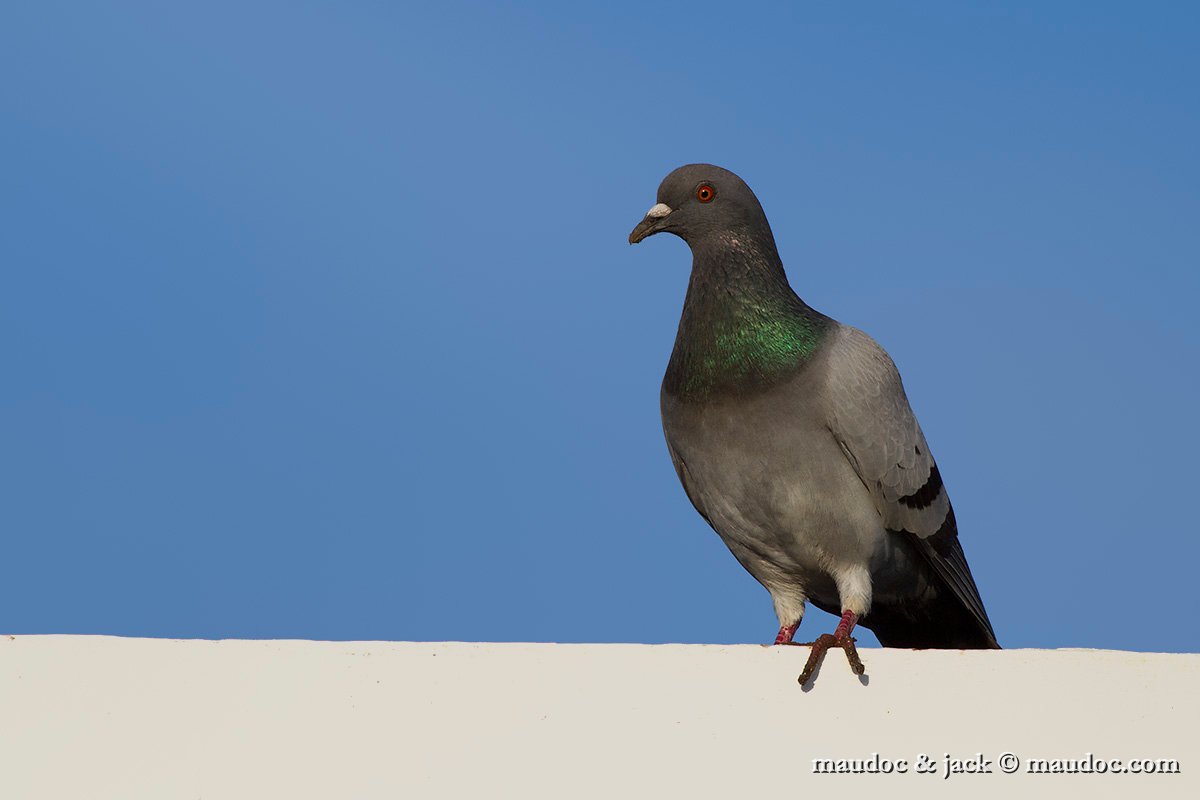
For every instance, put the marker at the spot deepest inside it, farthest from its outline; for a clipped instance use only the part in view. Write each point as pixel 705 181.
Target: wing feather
pixel 871 418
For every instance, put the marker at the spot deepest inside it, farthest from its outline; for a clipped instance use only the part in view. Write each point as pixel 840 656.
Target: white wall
pixel 101 717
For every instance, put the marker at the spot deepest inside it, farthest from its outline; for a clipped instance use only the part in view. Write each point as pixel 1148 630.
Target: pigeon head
pixel 698 202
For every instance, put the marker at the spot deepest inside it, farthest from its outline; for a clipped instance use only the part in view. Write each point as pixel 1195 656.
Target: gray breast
pixel 767 474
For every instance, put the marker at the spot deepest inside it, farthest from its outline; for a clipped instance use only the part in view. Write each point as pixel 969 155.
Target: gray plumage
pixel 793 437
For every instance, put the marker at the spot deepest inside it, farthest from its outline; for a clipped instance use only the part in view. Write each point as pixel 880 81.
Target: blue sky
pixel 319 320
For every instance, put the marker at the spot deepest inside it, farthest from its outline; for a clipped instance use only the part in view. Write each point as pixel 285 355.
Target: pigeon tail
pixel 940 624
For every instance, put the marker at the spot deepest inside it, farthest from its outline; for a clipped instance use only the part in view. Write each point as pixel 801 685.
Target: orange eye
pixel 705 193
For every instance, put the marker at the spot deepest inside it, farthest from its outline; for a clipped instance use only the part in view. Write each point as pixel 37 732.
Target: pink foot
pixel 786 633
pixel 840 638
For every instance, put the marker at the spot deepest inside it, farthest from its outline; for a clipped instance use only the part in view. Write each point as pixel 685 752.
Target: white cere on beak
pixel 659 210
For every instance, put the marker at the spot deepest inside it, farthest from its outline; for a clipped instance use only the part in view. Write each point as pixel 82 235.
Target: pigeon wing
pixel 872 421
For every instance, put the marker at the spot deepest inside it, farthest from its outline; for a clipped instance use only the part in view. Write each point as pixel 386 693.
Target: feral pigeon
pixel 793 438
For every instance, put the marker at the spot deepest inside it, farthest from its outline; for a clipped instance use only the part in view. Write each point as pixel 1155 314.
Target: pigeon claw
pixel 821 646
pixel 840 638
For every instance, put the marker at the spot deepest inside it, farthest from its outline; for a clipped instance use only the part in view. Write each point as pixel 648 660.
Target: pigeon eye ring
pixel 705 193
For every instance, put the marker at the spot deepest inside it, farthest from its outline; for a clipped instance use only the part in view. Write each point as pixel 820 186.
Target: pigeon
pixel 793 437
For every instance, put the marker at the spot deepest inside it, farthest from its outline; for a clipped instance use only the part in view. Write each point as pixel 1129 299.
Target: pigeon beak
pixel 655 221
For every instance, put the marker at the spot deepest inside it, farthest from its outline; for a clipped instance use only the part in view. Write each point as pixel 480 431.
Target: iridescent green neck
pixel 741 344
pixel 743 329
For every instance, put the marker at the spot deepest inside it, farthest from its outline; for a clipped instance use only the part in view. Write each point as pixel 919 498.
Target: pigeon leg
pixel 839 638
pixel 786 632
